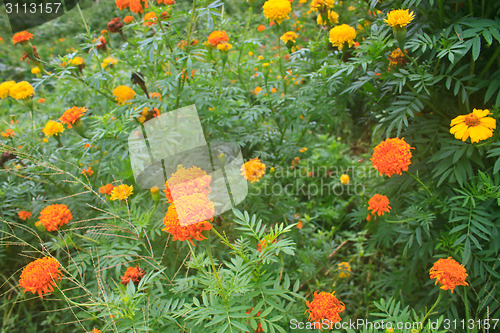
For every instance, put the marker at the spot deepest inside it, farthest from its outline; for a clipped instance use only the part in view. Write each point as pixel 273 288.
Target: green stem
pixel 216 273
pixel 466 303
pixel 83 19
pixel 282 70
pixel 432 308
pixel 420 182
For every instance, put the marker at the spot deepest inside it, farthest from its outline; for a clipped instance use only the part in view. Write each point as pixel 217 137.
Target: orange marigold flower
pixel 133 274
pixel 106 189
pixel 41 100
pixel 379 204
pixel 122 4
pixel 166 2
pixel 127 19
pixel 115 25
pixel 156 95
pixel 70 116
pixel 182 233
pixel 397 58
pixel 448 273
pixel 40 276
pixel 101 43
pixel 53 217
pixel 194 208
pixel 24 215
pixel 325 306
pixel 89 172
pixel 121 192
pixel 392 156
pixel 300 225
pixel 217 37
pixel 185 182
pixel 136 6
pixel 253 170
pixel 8 133
pixel 22 36
pixel 95 330
pixel 149 19
pixel 261 27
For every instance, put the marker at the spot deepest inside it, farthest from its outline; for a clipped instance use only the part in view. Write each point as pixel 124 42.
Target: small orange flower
pixel 24 215
pixel 133 274
pixel 182 233
pixel 70 116
pixel 41 100
pixel 127 19
pixel 448 273
pixel 89 172
pixel 185 182
pixel 122 4
pixel 300 225
pixel 95 330
pixel 261 27
pixel 53 217
pixel 166 2
pixel 379 204
pixel 325 306
pixel 39 276
pixel 253 170
pixel 8 133
pixel 392 156
pixel 217 37
pixel 136 6
pixel 22 36
pixel 106 189
pixel 149 19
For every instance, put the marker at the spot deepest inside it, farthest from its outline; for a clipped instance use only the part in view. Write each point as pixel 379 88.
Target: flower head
pixel 261 28
pixel 341 35
pixel 344 179
pixel 109 61
pixel 123 94
pixel 448 273
pixel 24 215
pixel 392 156
pixel 127 19
pixel 399 18
pixel 185 182
pixel 121 192
pixel 182 233
pixel 289 36
pixel 333 17
pixel 379 204
pixel 136 6
pixel 8 133
pixel 21 90
pixel 217 37
pixel 115 25
pixel 224 47
pixel 21 37
pixel 70 116
pixel 122 4
pixel 106 189
pixel 5 88
pixel 133 274
pixel 253 170
pixel 397 58
pixel 344 269
pixel 277 10
pixel 52 128
pixel 35 70
pixel 166 2
pixel 77 61
pixel 53 217
pixel 476 125
pixel 325 306
pixel 40 276
pixel 149 19
pixel 318 5
pixel 88 172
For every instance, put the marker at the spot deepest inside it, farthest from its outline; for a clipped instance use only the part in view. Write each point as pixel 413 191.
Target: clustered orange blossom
pixel 379 204
pixel 53 217
pixel 133 274
pixel 253 170
pixel 325 306
pixel 40 276
pixel 70 116
pixel 448 273
pixel 392 156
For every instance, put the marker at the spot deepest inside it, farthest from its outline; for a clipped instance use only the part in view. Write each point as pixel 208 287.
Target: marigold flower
pixel 318 5
pixel 379 204
pixel 109 61
pixel 133 274
pixel 22 36
pixel 253 170
pixel 21 90
pixel 24 215
pixel 257 90
pixel 182 233
pixel 156 95
pixel 121 192
pixel 5 88
pixel 224 47
pixel 333 17
pixel 397 58
pixel 35 70
pixel 325 306
pixel 123 94
pixel 136 6
pixel 53 217
pixel 300 225
pixel 399 18
pixel 95 330
pixel 77 61
pixel 40 276
pixel 70 116
pixel 448 273
pixel 185 182
pixel 41 100
pixel 122 4
pixel 166 2
pixel 341 35
pixel 217 37
pixel 261 27
pixel 289 36
pixel 89 172
pixel 344 269
pixel 392 156
pixel 476 125
pixel 106 189
pixel 115 25
pixel 127 19
pixel 52 128
pixel 344 179
pixel 8 133
pixel 101 43
pixel 149 19
pixel 277 10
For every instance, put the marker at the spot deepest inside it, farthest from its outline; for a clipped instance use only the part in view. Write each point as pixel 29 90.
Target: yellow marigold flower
pixel 392 156
pixel 344 269
pixel 35 70
pixel 21 90
pixel 318 5
pixel 476 125
pixel 303 149
pixel 277 10
pixel 344 179
pixel 449 274
pixel 21 37
pixel 341 35
pixel 70 116
pixel 106 189
pixel 123 94
pixel 261 57
pixel 52 128
pixel 133 274
pixel 53 217
pixel 289 36
pixel 76 61
pixel 40 276
pixel 217 37
pixel 5 88
pixel 253 170
pixel 182 233
pixel 224 47
pixel 325 306
pixel 121 192
pixel 333 17
pixel 399 18
pixel 109 61
pixel 257 90
pixel 8 133
pixel 24 215
pixel 149 19
pixel 379 204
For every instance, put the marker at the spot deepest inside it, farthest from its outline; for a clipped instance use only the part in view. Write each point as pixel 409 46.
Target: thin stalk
pixel 420 182
pixel 432 308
